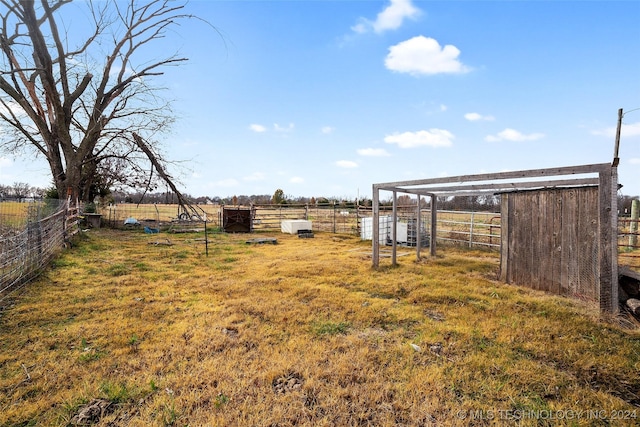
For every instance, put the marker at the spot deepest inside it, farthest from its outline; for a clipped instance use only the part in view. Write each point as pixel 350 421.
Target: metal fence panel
pixel 30 235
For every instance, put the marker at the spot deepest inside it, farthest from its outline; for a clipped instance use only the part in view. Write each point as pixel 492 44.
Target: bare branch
pixel 83 108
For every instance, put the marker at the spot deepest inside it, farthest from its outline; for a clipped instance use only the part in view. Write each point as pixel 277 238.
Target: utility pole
pixel 616 159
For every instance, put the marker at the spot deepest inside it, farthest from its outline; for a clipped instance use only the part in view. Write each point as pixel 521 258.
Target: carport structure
pixel 559 225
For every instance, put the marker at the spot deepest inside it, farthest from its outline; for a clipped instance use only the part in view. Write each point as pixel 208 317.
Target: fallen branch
pixel 182 201
pixel 26 380
pixel 184 230
pixel 160 243
pixel 26 372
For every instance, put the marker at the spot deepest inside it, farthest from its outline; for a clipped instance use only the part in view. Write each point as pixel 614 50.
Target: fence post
pixel 633 225
pixel 418 234
pixel 471 231
pixel 206 237
pixel 334 217
pixel 64 223
pixel 31 248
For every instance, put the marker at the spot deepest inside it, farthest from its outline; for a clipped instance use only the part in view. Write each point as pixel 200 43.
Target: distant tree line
pixel 484 203
pixel 624 204
pixel 278 198
pixel 21 191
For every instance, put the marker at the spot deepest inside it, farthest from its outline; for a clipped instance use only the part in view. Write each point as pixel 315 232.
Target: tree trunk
pixel 69 109
pixel 73 180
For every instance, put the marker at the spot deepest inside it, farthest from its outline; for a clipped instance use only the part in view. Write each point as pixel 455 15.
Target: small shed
pixel 559 225
pixel 237 220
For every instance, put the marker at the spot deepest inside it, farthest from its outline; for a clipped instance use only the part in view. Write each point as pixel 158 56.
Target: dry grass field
pixel 303 332
pixel 13 215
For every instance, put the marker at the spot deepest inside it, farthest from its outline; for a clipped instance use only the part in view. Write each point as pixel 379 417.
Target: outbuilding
pixel 559 226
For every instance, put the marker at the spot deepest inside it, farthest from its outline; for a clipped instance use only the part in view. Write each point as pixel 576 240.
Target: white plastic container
pixel 292 226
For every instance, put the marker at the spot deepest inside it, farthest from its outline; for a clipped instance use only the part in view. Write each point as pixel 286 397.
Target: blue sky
pixel 325 98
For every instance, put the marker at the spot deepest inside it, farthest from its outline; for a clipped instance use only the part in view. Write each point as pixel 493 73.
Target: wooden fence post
pixel 434 224
pixel 375 209
pixel 633 225
pixel 608 213
pixel 394 229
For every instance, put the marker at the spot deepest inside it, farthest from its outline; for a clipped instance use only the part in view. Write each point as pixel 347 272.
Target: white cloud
pixel 443 107
pixel 347 164
pixel 296 180
pixel 634 161
pixel 430 138
pixel 391 18
pixel 327 130
pixel 256 176
pixel 279 128
pixel 257 128
pixel 475 117
pixel 631 129
pixel 373 152
pixel 424 55
pixel 513 135
pixel 361 27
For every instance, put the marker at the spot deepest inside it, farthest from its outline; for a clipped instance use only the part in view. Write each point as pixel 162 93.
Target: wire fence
pixel 629 242
pixel 475 229
pixel 628 235
pixel 267 217
pixel 31 233
pixel 462 228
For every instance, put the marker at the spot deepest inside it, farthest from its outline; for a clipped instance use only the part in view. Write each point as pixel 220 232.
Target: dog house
pixel 559 226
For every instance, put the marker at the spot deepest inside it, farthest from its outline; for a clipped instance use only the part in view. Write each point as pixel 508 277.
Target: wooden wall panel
pixel 551 240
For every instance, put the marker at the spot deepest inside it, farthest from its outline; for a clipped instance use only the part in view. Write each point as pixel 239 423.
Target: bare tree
pixel 78 103
pixel 21 190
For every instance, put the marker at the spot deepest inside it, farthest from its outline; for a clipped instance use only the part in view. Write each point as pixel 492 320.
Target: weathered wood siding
pixel 550 241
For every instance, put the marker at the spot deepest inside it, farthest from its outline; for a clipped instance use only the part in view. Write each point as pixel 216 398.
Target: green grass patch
pixel 118 270
pixel 330 328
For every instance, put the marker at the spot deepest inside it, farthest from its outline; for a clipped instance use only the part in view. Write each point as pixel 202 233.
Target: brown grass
pixel 304 332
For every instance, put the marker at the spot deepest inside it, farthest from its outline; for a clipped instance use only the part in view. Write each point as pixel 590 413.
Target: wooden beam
pixel 614 241
pixel 394 233
pixel 532 173
pixel 434 226
pixel 375 255
pixel 418 235
pixel 504 237
pixel 472 189
pixel 607 201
